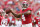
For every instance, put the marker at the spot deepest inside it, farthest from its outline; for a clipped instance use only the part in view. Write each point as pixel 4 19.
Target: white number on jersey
pixel 23 17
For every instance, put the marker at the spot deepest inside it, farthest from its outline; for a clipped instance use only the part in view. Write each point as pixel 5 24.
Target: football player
pixel 13 21
pixel 5 21
pixel 26 17
pixel 37 19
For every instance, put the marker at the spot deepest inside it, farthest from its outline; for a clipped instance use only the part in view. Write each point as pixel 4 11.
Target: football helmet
pixel 24 4
pixel 38 13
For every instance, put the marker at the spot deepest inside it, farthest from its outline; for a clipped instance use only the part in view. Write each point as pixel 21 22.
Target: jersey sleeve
pixel 28 9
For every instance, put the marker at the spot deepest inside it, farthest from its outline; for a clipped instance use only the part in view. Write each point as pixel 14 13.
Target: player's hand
pixel 11 9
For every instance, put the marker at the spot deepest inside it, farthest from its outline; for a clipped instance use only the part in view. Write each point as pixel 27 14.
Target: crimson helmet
pixel 38 13
pixel 24 4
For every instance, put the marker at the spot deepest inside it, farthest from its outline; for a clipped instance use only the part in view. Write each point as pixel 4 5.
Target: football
pixel 8 11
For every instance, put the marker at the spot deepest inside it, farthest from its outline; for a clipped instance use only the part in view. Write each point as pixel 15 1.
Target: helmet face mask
pixel 24 5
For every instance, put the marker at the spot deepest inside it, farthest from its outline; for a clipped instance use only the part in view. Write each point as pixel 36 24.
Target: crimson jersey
pixel 6 21
pixel 37 20
pixel 0 19
pixel 13 21
pixel 27 17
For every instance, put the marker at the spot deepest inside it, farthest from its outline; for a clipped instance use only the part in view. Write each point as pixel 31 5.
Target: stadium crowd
pixel 7 19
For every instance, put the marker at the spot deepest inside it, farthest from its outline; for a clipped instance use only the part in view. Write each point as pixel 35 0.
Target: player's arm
pixel 28 12
pixel 16 15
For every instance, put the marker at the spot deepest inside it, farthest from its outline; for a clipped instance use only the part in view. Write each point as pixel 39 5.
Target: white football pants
pixel 27 25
